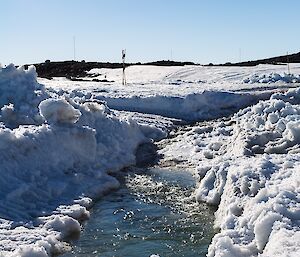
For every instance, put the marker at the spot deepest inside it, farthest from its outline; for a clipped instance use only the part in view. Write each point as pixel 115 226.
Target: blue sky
pixel 202 31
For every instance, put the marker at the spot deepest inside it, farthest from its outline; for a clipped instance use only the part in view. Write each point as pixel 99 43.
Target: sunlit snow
pixel 61 140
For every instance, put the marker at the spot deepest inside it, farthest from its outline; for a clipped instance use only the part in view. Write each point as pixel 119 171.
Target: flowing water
pixel 153 212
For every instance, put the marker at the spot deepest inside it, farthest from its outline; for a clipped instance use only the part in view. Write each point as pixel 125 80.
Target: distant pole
pixel 288 62
pixel 74 48
pixel 171 54
pixel 240 55
pixel 123 60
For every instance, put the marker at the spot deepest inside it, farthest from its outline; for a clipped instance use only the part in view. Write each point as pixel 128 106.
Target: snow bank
pixel 54 165
pixel 259 199
pixel 192 107
pixel 252 175
pixel 271 126
pixel 272 78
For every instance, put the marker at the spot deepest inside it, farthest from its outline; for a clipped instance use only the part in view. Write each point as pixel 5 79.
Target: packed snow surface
pixel 191 93
pixel 60 142
pixel 192 74
pixel 143 80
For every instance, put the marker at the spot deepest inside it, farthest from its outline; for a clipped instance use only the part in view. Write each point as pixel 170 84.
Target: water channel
pixel 152 213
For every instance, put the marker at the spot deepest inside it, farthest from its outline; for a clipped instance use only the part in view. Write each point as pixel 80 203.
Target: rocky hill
pixel 75 69
pixel 291 58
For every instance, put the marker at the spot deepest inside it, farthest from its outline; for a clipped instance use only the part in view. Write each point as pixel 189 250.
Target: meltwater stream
pixel 153 212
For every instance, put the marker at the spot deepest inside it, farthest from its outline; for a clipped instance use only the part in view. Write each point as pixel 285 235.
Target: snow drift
pixel 55 156
pixel 252 179
pixel 191 107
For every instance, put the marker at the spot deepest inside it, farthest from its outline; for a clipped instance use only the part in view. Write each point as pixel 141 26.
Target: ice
pixel 84 201
pixel 75 211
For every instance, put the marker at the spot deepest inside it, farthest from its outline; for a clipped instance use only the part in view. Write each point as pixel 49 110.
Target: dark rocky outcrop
pixel 291 58
pixel 74 69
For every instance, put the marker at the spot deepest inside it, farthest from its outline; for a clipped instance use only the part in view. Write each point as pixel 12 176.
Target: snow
pixel 58 111
pixel 55 163
pixel 192 107
pixel 247 166
pixel 195 74
pixel 258 198
pixel 60 143
pixel 272 78
pixel 191 93
pixel 20 95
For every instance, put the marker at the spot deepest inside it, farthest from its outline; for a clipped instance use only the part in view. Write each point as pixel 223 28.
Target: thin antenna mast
pixel 74 48
pixel 240 55
pixel 123 60
pixel 288 62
